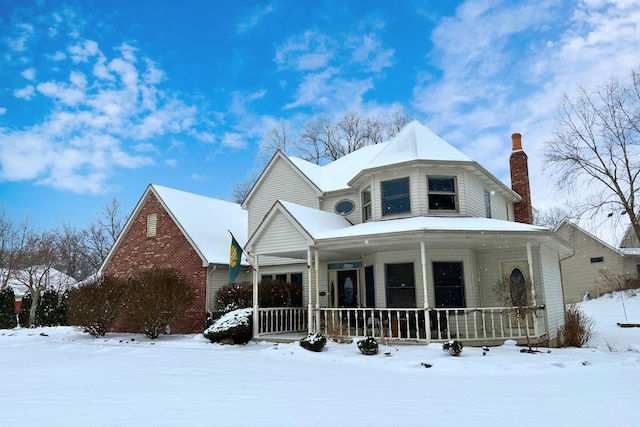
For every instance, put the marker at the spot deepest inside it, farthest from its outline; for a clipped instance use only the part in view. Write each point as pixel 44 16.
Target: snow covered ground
pixel 61 377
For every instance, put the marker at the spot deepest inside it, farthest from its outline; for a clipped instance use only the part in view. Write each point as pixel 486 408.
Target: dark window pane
pixel 281 277
pixel 395 196
pixel 448 284
pixel 442 185
pixel 401 291
pixel 442 201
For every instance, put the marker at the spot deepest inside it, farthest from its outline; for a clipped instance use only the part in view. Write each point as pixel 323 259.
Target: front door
pixel 348 288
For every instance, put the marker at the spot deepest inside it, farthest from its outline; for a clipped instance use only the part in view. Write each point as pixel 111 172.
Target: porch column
pixel 317 260
pixel 427 319
pixel 530 262
pixel 310 302
pixel 256 319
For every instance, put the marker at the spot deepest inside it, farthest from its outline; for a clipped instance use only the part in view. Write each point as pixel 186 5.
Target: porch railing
pixel 409 324
pixel 274 320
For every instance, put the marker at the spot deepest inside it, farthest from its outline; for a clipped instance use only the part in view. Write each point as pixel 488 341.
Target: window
pixel 395 196
pixel 442 193
pixel 401 288
pixel 152 225
pixel 487 204
pixel 296 296
pixel 597 259
pixel 266 278
pixel 344 207
pixel 448 284
pixel 518 288
pixel 281 277
pixel 366 205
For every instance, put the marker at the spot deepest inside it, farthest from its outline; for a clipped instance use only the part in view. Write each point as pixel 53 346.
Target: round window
pixel 345 207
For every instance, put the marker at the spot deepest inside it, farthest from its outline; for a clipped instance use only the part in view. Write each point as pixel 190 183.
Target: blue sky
pixel 101 98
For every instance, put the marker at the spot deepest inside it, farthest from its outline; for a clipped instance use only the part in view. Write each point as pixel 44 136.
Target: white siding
pixel 280 236
pixel 552 291
pixel 473 196
pixel 329 201
pixel 284 183
pixel 579 274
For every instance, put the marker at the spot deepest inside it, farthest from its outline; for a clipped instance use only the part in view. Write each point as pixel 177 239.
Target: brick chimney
pixel 520 181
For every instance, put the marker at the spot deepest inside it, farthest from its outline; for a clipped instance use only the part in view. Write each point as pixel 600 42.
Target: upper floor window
pixel 344 207
pixel 366 204
pixel 442 193
pixel 152 224
pixel 395 196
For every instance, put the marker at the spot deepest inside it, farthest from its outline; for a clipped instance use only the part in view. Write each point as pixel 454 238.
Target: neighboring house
pixel 187 232
pixel 584 271
pixel 406 239
pixel 46 278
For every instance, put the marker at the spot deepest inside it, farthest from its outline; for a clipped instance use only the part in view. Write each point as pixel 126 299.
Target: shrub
pixel 52 309
pixel 7 309
pixel 279 294
pixel 235 326
pixel 153 299
pixel 578 328
pixel 95 306
pixel 313 342
pixel 233 297
pixel 454 347
pixel 368 346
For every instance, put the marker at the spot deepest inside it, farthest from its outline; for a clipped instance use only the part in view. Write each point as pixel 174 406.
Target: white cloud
pixel 19 42
pixel 26 92
pixel 29 74
pixel 233 140
pixel 249 22
pixel 309 51
pixel 82 51
pixel 3 110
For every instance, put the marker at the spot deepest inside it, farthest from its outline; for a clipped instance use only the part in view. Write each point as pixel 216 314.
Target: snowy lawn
pixel 61 377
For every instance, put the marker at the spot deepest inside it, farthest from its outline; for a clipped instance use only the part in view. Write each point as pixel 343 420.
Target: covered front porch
pixel 418 286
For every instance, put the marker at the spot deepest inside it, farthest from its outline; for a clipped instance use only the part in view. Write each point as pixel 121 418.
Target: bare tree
pixel 240 191
pixel 73 257
pixel 597 144
pixel 551 217
pixel 103 232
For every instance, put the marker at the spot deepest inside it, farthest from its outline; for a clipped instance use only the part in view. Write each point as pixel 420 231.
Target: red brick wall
pixel 523 210
pixel 169 249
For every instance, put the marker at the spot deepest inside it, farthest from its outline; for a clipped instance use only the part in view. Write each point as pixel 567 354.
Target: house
pixel 408 240
pixel 190 233
pixel 40 276
pixel 595 261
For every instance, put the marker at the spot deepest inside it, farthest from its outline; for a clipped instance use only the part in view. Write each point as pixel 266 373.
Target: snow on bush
pixel 235 325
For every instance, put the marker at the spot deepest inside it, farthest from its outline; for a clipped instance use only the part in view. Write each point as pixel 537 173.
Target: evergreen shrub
pixel 235 327
pixel 313 342
pixel 368 346
pixel 7 309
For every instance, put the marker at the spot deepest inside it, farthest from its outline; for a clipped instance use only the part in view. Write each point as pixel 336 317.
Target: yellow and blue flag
pixel 235 255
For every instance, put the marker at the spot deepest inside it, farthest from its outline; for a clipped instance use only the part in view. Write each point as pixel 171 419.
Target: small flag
pixel 235 254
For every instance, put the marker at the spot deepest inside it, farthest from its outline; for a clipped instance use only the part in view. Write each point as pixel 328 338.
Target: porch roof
pixel 336 238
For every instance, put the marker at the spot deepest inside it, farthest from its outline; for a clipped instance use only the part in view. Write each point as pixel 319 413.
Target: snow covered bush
pixel 313 342
pixel 453 347
pixel 368 346
pixel 154 299
pixel 233 297
pixel 578 328
pixel 95 306
pixel 235 326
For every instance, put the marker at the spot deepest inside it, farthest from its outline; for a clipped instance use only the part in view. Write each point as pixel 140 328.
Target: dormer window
pixel 442 193
pixel 395 197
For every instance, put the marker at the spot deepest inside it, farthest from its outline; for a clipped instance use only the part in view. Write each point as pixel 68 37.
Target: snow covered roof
pixel 206 221
pixel 315 221
pixel 414 142
pixel 52 279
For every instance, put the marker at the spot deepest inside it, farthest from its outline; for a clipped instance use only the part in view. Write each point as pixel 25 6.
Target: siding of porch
pixel 552 292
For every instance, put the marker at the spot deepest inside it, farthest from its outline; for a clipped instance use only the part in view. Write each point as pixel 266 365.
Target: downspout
pixel 310 301
pixel 317 260
pixel 256 320
pixel 210 270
